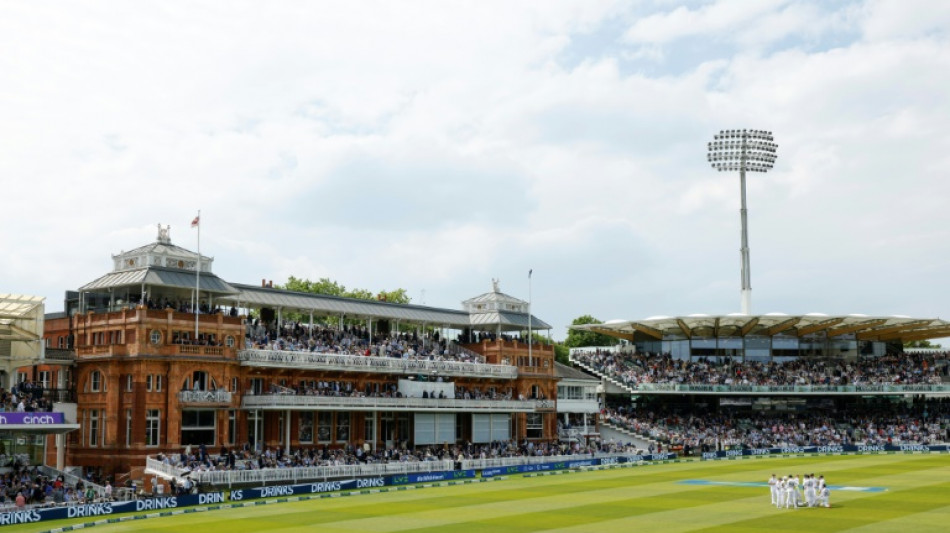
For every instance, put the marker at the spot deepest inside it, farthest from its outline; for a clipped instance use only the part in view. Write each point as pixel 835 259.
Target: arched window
pixel 95 381
pixel 200 381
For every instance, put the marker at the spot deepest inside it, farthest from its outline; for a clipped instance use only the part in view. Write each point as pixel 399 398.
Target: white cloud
pixel 431 145
pixel 717 19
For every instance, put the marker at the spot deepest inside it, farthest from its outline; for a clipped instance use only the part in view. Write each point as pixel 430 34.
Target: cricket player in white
pixel 791 493
pixel 780 496
pixel 810 493
pixel 773 488
pixel 824 497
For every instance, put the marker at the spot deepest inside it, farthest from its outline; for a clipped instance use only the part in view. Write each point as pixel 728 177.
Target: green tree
pixel 332 288
pixel 322 286
pixel 398 296
pixel 562 354
pixel 921 344
pixel 580 338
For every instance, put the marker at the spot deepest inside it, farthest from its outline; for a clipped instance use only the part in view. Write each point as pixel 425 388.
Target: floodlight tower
pixel 743 150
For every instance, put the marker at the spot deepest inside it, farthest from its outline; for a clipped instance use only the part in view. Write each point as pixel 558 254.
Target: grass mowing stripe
pixel 640 498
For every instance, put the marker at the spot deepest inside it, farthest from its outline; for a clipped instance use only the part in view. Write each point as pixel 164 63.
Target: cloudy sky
pixel 436 145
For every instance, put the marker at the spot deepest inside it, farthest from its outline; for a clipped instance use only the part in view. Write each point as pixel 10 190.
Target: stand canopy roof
pixel 863 327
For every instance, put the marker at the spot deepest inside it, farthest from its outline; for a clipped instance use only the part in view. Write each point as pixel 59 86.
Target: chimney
pixel 263 283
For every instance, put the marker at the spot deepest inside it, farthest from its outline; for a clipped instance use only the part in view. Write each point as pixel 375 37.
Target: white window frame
pixel 153 424
pixel 94 428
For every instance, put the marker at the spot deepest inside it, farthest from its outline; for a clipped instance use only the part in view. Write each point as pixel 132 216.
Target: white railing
pixel 457 349
pixel 71 479
pixel 479 464
pixel 282 476
pixel 156 467
pixel 292 401
pixel 359 363
pixel 204 396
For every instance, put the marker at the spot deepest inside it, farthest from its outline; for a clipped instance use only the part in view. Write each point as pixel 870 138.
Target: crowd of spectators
pixel 248 458
pixel 928 423
pixel 24 487
pixel 24 397
pixel 356 340
pixel 635 369
pixel 347 389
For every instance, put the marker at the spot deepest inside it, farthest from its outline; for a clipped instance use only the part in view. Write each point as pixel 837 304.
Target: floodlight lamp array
pixel 749 150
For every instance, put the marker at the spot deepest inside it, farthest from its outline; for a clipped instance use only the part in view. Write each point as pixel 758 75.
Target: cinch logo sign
pixel 31 418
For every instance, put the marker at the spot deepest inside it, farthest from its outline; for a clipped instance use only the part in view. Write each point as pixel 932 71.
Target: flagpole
pixel 198 277
pixel 530 360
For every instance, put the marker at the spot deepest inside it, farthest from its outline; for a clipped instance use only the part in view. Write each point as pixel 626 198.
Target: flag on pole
pixel 529 272
pixel 194 223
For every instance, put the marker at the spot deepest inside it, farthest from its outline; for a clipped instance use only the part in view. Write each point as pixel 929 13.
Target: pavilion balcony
pixel 166 350
pixel 350 403
pixel 376 365
pixel 205 397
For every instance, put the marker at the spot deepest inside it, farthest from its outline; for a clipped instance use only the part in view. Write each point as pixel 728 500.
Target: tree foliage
pixel 332 288
pixel 562 354
pixel 921 344
pixel 580 338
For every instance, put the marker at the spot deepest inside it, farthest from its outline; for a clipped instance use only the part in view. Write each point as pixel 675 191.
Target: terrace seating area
pixel 200 459
pixel 346 389
pixel 356 340
pixel 24 397
pixel 25 487
pixel 926 423
pixel 648 368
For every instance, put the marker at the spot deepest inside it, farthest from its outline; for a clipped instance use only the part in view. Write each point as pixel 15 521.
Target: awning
pixel 30 429
pixel 160 277
pixel 250 296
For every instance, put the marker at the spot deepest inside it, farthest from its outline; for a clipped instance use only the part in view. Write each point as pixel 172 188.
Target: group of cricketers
pixel 792 492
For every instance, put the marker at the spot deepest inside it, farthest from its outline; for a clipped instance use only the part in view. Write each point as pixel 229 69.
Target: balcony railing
pixel 301 402
pixel 674 388
pixel 60 395
pixel 480 464
pixel 154 466
pixel 60 355
pixel 71 479
pixel 114 350
pixel 269 476
pixel 204 396
pixel 359 363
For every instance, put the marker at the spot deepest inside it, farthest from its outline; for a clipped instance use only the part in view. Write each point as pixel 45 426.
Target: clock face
pixel 131 262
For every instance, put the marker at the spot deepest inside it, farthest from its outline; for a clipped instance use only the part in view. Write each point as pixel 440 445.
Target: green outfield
pixel 875 493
